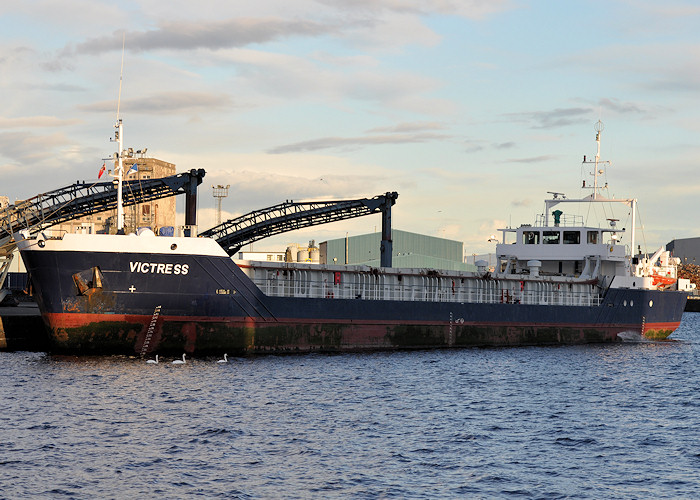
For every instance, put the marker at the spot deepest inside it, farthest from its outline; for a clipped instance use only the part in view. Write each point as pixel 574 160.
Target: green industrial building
pixel 411 250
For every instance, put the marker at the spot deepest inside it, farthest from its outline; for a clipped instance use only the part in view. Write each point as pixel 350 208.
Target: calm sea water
pixel 598 421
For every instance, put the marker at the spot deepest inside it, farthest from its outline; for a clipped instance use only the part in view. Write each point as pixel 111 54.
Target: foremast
pixel 119 155
pixel 119 175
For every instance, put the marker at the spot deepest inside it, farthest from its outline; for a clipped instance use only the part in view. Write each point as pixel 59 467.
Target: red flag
pixel 102 171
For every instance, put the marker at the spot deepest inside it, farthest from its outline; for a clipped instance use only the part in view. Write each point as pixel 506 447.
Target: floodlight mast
pixel 220 192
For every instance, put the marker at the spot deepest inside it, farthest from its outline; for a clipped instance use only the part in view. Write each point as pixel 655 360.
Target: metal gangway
pixel 78 200
pixel 233 234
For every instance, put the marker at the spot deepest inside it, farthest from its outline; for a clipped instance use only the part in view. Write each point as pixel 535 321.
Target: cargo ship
pixel 557 281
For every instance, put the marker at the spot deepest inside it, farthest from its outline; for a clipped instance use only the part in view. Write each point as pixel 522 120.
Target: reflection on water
pixel 596 421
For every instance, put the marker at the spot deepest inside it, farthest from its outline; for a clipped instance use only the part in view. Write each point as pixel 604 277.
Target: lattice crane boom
pixel 80 199
pixel 233 234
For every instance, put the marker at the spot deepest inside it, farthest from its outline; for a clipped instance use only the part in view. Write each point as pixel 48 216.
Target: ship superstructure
pixel 561 246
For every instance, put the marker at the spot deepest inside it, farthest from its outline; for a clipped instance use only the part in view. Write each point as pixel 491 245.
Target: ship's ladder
pixel 151 329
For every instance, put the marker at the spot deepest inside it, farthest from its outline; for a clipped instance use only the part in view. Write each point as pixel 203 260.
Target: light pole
pixel 220 192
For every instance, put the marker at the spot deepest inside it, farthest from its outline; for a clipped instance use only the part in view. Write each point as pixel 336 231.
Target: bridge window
pixel 550 237
pixel 572 237
pixel 531 237
pixel 592 237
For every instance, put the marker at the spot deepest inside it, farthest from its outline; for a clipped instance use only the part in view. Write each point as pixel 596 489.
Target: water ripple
pixel 612 421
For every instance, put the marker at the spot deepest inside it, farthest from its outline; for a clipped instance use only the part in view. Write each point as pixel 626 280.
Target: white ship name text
pixel 158 268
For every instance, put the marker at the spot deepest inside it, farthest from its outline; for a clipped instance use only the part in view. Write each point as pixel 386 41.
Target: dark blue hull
pixel 103 302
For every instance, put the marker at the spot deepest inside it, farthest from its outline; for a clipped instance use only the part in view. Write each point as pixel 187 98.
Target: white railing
pixel 430 289
pixel 566 220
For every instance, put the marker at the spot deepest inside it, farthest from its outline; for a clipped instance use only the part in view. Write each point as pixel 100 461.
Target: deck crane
pixel 233 234
pixel 81 199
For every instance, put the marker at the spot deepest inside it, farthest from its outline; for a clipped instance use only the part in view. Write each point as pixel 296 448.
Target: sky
pixel 471 110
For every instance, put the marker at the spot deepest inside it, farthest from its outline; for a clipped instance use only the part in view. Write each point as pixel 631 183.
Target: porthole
pixel 651 303
pixel 173 246
pixel 624 303
pixel 631 303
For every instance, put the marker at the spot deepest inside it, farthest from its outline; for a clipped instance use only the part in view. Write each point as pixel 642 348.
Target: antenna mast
pixel 597 171
pixel 595 197
pixel 598 129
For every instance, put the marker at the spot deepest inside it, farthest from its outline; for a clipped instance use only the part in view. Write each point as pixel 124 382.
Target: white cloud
pixel 445 101
pixel 356 142
pixel 167 103
pixel 34 122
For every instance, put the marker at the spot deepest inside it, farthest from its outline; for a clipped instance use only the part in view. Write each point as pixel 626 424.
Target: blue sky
pixel 471 110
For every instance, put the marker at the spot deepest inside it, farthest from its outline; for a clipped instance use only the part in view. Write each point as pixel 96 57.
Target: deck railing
pixel 364 286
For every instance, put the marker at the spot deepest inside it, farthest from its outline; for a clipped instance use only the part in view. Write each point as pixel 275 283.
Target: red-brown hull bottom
pixel 127 334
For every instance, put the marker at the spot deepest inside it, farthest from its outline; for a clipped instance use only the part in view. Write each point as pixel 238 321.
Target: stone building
pixel 153 214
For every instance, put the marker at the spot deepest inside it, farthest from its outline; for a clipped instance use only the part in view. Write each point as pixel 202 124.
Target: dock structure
pixel 22 329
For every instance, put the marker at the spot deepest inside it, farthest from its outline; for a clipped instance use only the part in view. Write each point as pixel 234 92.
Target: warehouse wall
pixel 410 250
pixel 688 249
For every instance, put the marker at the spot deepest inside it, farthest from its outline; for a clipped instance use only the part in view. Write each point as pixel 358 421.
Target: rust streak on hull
pixel 125 334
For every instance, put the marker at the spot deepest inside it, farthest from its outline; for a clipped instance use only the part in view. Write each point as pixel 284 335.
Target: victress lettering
pixel 158 268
